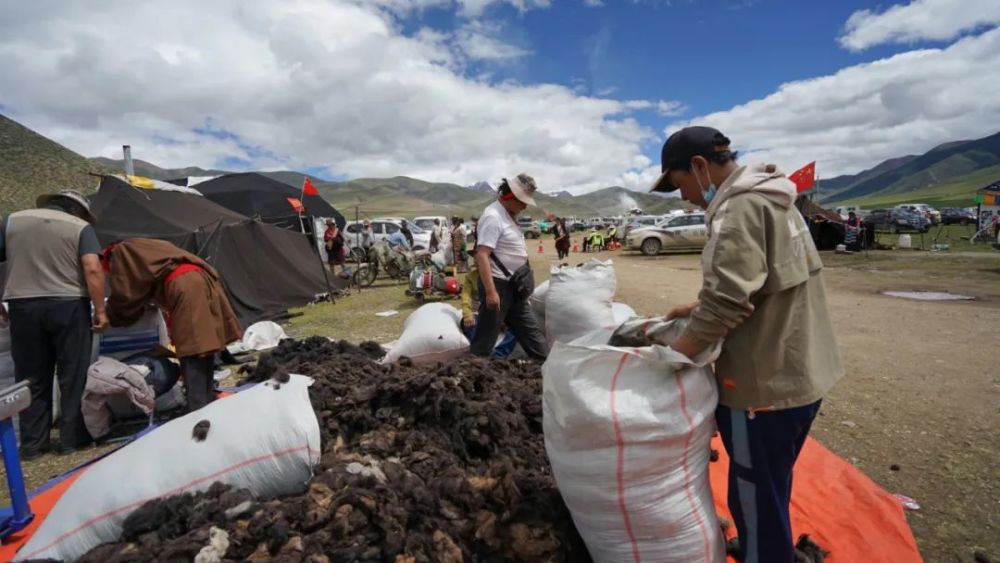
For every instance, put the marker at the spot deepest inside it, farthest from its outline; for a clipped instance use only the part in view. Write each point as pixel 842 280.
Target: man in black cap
pixel 54 276
pixel 763 297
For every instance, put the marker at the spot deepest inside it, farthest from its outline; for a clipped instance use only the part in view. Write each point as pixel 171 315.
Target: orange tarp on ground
pixel 840 508
pixel 41 505
pixel 843 510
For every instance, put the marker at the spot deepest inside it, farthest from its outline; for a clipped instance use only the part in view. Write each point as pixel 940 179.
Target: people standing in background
pixel 852 232
pixel 437 236
pixel 405 229
pixel 506 279
pixel 367 236
pixel 562 237
pixel 333 240
pixel 53 279
pixel 200 318
pixel 459 242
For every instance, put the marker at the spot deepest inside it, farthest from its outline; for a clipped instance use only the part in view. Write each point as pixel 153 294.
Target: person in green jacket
pixel 763 297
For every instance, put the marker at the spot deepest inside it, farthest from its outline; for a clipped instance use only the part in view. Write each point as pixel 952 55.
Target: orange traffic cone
pixel 541 248
pixel 576 248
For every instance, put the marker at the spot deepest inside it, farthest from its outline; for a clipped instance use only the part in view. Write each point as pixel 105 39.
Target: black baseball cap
pixel 684 145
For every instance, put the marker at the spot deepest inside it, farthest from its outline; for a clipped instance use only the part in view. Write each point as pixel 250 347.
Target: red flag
pixel 296 205
pixel 804 177
pixel 308 188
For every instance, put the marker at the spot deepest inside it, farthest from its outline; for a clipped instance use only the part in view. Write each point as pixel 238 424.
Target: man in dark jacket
pixel 53 278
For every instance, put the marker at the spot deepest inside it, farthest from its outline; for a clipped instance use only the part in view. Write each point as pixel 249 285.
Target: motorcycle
pixel 428 279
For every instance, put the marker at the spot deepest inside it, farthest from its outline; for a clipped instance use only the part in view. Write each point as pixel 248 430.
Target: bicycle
pixel 373 261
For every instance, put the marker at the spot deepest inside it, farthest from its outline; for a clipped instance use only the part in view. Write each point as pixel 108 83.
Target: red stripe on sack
pixel 687 472
pixel 620 473
pixel 171 492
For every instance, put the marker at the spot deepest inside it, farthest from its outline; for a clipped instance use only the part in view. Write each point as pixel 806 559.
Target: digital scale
pixel 13 400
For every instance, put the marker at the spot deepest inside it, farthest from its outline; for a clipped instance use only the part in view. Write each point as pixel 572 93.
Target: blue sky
pixel 579 96
pixel 709 56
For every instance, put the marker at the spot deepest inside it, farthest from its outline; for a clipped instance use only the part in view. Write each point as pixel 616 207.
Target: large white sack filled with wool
pixel 627 432
pixel 263 439
pixel 579 300
pixel 431 334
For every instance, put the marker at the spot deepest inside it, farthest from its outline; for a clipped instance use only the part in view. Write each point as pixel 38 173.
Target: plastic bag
pixel 263 335
pixel 430 334
pixel 621 312
pixel 537 302
pixel 578 301
pixel 262 439
pixel 627 431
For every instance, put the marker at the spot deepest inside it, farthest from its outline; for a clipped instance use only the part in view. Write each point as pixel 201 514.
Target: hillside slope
pixel 957 192
pixel 31 164
pixel 944 164
pixel 150 170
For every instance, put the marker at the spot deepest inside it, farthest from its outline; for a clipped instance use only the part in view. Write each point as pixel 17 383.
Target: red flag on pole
pixel 804 177
pixel 296 205
pixel 308 188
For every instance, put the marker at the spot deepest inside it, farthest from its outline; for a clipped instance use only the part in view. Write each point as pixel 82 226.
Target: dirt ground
pixel 922 390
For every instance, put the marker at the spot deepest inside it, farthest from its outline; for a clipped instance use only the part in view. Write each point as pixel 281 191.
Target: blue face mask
pixel 708 194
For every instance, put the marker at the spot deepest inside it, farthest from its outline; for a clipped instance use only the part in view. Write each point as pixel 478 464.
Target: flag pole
pixel 319 255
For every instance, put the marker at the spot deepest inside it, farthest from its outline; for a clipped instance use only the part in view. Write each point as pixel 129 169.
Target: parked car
pixel 640 221
pixel 958 216
pixel 682 232
pixel 933 215
pixel 382 228
pixel 427 222
pixel 529 228
pixel 896 220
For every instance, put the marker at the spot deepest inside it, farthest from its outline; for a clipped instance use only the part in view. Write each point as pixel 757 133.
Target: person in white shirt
pixel 505 274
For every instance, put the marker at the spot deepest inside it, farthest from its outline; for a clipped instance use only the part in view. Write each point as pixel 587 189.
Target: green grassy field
pixel 960 192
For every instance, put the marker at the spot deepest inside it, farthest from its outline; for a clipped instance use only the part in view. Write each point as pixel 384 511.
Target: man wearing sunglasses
pixel 762 295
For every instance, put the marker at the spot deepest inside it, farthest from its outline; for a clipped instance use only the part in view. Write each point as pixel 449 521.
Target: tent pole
pixel 322 266
pixel 357 236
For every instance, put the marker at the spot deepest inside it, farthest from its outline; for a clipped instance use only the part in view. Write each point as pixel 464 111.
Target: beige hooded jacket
pixel 763 292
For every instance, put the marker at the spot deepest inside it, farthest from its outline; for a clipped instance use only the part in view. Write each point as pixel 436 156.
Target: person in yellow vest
pixel 53 279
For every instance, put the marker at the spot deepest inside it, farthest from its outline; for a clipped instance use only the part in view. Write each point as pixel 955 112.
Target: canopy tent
pixel 264 269
pixel 988 202
pixel 827 227
pixel 274 202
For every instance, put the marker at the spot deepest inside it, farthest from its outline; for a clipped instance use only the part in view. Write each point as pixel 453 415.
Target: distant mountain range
pixel 947 175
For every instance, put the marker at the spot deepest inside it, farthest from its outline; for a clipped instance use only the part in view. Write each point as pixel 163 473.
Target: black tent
pixel 257 196
pixel 826 227
pixel 265 269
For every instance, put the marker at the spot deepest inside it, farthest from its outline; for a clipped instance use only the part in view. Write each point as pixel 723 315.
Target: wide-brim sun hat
pixel 74 196
pixel 523 189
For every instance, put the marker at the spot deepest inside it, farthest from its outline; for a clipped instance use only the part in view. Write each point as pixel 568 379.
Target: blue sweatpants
pixel 762 450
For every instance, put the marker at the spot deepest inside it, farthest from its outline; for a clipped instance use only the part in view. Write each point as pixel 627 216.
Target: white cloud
pixel 468 8
pixel 670 108
pixel 296 84
pixel 593 3
pixel 486 41
pixel 861 115
pixel 918 20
